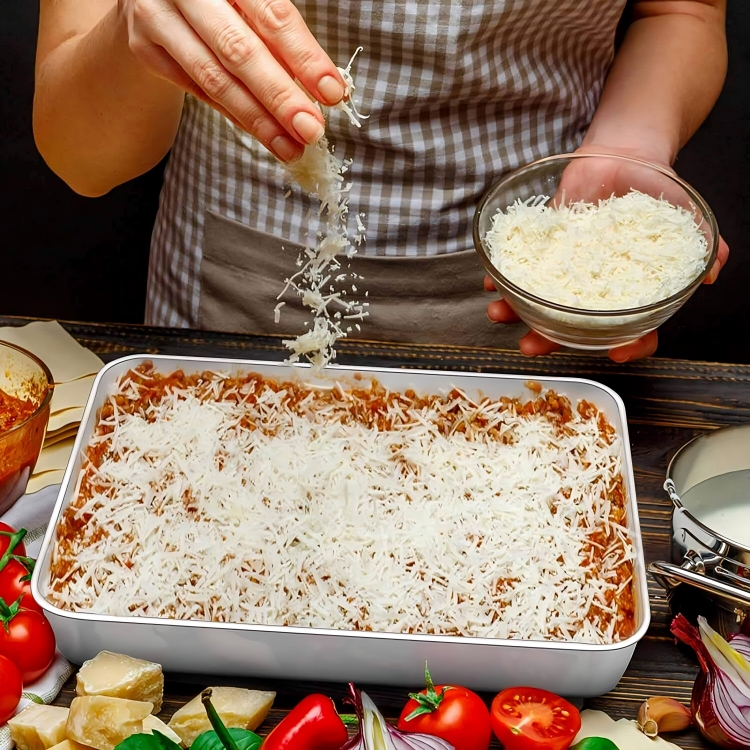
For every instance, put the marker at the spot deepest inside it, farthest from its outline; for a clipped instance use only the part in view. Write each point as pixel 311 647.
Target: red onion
pixel 375 733
pixel 721 694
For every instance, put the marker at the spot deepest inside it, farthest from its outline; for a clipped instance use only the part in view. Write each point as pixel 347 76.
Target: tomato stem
pixel 8 612
pixel 428 701
pixel 15 538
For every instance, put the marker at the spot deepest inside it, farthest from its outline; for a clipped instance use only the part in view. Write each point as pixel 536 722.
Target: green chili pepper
pixel 222 738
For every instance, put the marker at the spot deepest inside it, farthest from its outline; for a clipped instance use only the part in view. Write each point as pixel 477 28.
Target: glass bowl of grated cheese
pixel 595 250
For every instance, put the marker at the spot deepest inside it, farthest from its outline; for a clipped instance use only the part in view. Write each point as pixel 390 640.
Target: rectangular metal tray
pixel 571 669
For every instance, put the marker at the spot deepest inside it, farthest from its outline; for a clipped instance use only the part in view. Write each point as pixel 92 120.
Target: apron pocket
pixel 421 300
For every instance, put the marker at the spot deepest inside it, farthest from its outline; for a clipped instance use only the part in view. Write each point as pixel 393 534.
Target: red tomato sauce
pixel 18 448
pixel 13 410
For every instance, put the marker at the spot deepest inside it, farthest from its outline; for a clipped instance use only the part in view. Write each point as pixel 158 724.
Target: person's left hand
pixel 533 343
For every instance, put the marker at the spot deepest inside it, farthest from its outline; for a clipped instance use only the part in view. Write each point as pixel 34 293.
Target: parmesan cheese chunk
pixel 237 707
pixel 102 722
pixel 69 745
pixel 624 252
pixel 38 727
pixel 151 723
pixel 120 676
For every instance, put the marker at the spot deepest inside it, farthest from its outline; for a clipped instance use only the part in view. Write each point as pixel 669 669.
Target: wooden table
pixel 668 402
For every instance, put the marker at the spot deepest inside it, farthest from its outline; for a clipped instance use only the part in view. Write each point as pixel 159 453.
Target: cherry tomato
pixel 5 534
pixel 525 718
pixel 10 688
pixel 12 586
pixel 450 712
pixel 28 640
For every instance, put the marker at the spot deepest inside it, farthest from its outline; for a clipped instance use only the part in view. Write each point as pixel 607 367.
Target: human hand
pixel 241 57
pixel 591 180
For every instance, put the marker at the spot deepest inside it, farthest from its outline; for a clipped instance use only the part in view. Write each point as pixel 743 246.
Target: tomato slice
pixel 526 718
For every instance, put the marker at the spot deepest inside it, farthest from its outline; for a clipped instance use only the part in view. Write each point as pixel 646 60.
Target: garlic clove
pixel 662 714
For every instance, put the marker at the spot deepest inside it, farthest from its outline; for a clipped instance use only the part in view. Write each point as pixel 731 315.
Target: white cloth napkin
pixel 33 512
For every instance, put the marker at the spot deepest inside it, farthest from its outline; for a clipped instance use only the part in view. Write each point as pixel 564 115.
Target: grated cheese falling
pixel 321 174
pixel 624 252
pixel 259 504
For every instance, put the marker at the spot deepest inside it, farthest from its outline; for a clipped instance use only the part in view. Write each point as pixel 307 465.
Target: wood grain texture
pixel 667 401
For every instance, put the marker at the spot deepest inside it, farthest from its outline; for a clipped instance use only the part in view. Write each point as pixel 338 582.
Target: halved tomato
pixel 526 718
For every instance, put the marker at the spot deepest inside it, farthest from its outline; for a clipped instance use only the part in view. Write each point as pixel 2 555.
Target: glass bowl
pixel 590 177
pixel 26 377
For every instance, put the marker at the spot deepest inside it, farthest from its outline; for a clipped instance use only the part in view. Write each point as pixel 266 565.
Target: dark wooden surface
pixel 667 401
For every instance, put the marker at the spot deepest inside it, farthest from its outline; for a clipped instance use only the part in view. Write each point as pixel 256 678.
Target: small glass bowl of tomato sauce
pixel 26 387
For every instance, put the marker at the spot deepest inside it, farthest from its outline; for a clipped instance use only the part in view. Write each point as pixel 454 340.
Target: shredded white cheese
pixel 624 252
pixel 267 507
pixel 321 174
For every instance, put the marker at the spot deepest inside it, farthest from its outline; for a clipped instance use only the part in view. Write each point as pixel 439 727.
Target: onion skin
pixel 704 716
pixel 701 703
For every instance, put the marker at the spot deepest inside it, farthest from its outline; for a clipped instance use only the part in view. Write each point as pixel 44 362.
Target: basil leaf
pixel 245 739
pixel 155 741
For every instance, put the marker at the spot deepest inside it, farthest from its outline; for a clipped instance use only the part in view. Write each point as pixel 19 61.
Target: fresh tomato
pixel 15 585
pixel 10 688
pixel 6 532
pixel 525 718
pixel 27 639
pixel 450 712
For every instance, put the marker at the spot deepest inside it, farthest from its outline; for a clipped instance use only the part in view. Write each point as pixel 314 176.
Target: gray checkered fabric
pixel 458 92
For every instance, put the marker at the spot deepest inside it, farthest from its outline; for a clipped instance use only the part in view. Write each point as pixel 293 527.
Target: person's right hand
pixel 241 57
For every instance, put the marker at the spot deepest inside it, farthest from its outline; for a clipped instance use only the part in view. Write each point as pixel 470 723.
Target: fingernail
pixel 620 360
pixel 308 128
pixel 331 91
pixel 490 319
pixel 285 148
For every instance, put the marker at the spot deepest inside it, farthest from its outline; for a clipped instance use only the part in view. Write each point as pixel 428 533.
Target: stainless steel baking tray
pixel 572 669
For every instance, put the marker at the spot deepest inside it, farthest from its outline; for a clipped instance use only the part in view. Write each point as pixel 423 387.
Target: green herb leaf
pixel 154 741
pixel 243 738
pixel 595 743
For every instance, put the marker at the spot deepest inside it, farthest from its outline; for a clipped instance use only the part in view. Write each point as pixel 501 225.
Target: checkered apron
pixel 458 92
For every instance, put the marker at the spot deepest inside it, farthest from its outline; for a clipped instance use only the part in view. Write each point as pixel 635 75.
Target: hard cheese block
pixel 70 745
pixel 120 676
pixel 38 727
pixel 237 707
pixel 154 722
pixel 102 722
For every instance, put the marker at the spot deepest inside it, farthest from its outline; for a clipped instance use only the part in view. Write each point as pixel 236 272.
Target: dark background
pixel 74 258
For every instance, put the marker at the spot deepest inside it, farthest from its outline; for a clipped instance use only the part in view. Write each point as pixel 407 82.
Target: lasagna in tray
pixel 241 499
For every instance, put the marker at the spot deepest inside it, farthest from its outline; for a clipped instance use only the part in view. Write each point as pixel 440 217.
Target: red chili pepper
pixel 312 724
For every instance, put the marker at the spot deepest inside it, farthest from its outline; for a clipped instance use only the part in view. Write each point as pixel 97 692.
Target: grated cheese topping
pixel 248 501
pixel 321 174
pixel 624 252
